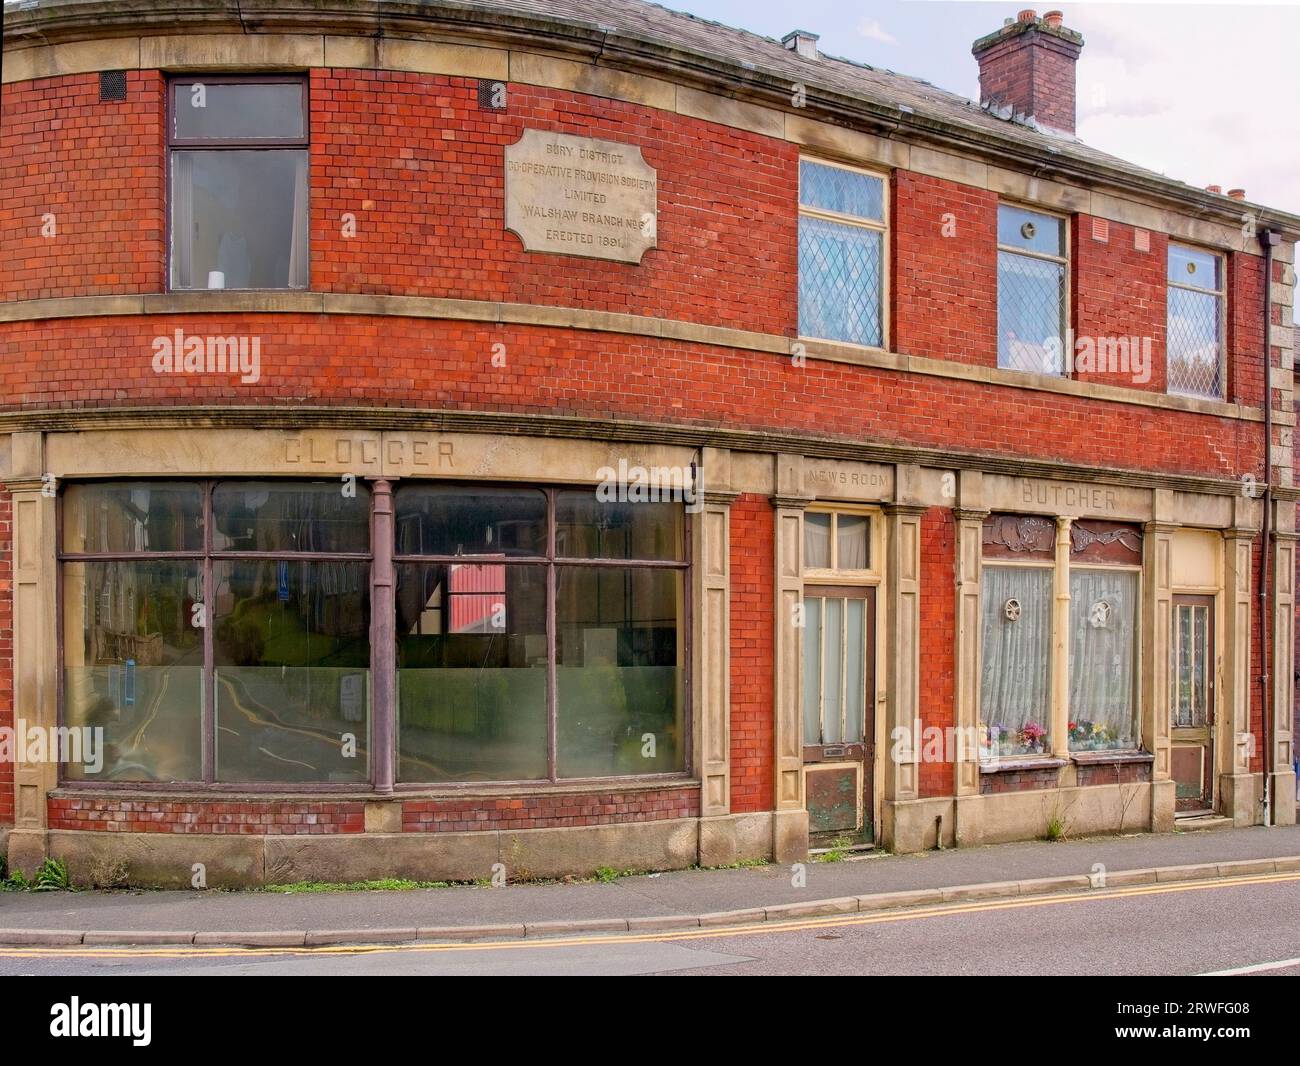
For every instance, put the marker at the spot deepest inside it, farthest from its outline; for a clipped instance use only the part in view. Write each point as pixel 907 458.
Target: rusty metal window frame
pixel 553 562
pixel 382 714
pixel 206 557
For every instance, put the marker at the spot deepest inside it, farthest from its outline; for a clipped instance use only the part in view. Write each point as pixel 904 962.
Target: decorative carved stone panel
pixel 1010 536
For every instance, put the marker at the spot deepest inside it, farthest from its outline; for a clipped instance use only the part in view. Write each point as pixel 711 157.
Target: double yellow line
pixel 752 929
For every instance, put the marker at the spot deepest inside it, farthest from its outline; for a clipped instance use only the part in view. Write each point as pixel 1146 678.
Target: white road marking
pixel 1259 967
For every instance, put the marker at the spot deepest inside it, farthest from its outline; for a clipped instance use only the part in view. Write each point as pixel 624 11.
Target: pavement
pixel 689 899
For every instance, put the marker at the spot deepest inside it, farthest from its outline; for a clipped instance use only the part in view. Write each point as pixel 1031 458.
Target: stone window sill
pixel 1107 758
pixel 1013 766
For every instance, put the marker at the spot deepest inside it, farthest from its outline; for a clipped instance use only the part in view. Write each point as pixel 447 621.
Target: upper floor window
pixel 1033 273
pixel 237 152
pixel 1195 331
pixel 842 226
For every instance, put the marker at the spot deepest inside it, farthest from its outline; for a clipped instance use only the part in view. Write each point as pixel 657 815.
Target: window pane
pixel 620 677
pixel 133 517
pixel 1188 266
pixel 266 516
pixel 812 669
pixel 816 541
pixel 471 672
pixel 239 219
pixel 449 520
pixel 241 112
pixel 846 192
pixel 1103 642
pixel 133 668
pixel 855 693
pixel 589 528
pixel 840 282
pixel 1030 301
pixel 851 542
pixel 1014 694
pixel 833 672
pixel 1030 231
pixel 292 658
pixel 1193 346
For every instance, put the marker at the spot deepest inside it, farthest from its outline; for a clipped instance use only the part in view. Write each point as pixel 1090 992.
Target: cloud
pixel 873 31
pixel 1200 96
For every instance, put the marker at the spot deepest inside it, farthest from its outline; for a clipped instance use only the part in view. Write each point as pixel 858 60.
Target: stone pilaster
pixel 1154 695
pixel 34 641
pixel 790 817
pixel 901 775
pixel 969 556
pixel 1234 742
pixel 1061 641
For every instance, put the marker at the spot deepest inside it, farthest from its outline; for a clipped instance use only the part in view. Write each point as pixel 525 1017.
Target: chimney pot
pixel 1027 70
pixel 801 42
pixel 1237 194
pixel 1216 189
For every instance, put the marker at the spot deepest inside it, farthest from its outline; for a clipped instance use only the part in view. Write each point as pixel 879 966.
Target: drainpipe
pixel 1269 239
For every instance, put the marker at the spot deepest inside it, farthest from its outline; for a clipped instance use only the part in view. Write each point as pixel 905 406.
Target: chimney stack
pixel 802 43
pixel 1027 70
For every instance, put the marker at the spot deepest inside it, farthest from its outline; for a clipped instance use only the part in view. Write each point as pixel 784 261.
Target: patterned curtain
pixel 1103 639
pixel 1014 694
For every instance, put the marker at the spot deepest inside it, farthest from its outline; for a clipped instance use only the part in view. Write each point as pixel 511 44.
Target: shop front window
pixel 218 632
pixel 1015 692
pixel 540 635
pixel 221 633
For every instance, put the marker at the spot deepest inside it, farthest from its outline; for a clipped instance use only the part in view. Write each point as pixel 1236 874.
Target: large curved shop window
pixel 218 632
pixel 540 635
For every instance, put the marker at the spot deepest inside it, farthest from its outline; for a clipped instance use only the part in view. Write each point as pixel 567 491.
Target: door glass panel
pixel 854 669
pixel 1191 654
pixel 834 673
pixel 812 669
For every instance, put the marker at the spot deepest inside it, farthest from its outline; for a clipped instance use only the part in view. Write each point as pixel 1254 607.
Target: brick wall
pixel 938 635
pixel 234 816
pixel 752 729
pixel 543 811
pixel 1118 291
pixel 98 169
pixel 1018 781
pixel 944 289
pixel 102 362
pixel 1125 773
pixel 418 163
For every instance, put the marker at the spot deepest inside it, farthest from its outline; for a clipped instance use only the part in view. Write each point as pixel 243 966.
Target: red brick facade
pixel 415 159
pixel 751 654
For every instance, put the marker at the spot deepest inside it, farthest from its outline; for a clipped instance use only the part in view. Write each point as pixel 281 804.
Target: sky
pixel 1205 93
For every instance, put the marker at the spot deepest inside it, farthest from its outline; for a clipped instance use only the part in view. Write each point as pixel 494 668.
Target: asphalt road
pixel 1185 929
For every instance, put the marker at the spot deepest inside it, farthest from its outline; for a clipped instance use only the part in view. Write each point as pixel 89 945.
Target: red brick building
pixel 576 435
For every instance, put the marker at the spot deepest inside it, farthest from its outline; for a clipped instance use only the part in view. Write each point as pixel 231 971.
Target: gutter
pixel 1269 239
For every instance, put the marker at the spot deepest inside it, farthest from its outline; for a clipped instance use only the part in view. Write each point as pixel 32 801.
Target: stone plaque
pixel 579 196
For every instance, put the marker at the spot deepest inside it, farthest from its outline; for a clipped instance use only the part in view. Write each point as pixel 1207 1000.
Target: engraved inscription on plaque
pixel 579 196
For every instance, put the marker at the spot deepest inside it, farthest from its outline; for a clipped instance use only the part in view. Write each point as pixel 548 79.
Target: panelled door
pixel 839 687
pixel 1191 683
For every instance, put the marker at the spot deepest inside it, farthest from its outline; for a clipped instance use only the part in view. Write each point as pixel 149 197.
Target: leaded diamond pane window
pixel 841 254
pixel 1195 327
pixel 1033 273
